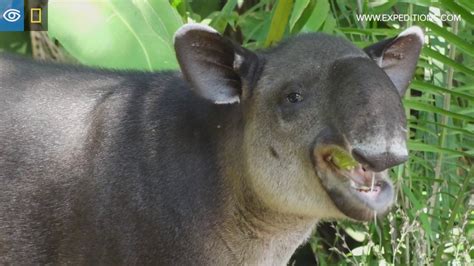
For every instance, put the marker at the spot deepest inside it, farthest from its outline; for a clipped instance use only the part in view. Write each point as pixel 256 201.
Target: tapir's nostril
pixel 378 162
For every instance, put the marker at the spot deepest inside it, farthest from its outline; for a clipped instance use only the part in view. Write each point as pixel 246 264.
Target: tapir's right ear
pixel 216 67
pixel 398 56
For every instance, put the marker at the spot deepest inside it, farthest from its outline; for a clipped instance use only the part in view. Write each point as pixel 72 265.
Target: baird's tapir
pixel 229 162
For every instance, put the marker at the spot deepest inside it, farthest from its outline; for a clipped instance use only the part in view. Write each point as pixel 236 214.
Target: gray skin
pixel 224 166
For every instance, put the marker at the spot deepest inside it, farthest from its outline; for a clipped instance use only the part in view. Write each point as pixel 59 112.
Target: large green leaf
pixel 116 34
pixel 318 17
pixel 279 22
pixel 298 9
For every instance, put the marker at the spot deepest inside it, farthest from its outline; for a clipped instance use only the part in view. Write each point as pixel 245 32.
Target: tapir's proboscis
pixel 231 161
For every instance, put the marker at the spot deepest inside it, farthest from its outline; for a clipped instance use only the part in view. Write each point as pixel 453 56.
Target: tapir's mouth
pixel 356 191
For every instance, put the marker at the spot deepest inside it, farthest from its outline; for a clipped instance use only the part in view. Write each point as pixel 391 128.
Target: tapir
pixel 232 160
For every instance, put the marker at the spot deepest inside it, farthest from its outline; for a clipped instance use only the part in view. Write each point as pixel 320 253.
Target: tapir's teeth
pixel 364 188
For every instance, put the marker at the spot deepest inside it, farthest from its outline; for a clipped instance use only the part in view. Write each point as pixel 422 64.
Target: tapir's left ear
pixel 398 56
pixel 217 68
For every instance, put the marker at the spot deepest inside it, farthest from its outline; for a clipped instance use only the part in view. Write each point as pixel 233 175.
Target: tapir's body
pixel 107 163
pixel 100 167
pixel 104 167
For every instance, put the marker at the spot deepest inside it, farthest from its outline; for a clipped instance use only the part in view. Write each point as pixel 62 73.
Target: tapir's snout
pixel 378 140
pixel 381 160
pixel 368 114
pixel 376 152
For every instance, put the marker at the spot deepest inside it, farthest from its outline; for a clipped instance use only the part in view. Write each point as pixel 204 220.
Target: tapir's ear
pixel 398 56
pixel 215 66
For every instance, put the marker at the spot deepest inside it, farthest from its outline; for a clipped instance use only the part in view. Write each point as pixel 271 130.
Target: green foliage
pixel 16 42
pixel 279 21
pixel 116 34
pixel 433 220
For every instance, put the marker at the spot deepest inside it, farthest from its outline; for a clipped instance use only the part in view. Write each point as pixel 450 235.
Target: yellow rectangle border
pixel 32 20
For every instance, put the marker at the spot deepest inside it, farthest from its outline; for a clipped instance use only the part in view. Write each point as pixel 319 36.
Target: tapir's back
pixel 47 112
pixel 45 115
pixel 85 154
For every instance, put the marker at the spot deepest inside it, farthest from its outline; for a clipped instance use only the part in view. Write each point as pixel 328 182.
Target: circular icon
pixel 12 15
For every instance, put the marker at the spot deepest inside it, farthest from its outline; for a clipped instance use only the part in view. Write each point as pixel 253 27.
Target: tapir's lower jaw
pixel 358 193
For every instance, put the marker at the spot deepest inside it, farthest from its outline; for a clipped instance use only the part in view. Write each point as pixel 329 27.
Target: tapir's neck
pixel 254 235
pixel 251 233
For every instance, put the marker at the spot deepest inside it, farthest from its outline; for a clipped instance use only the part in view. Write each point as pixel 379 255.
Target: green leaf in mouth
pixel 342 159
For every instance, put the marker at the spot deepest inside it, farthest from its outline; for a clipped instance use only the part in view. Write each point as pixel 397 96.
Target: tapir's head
pixel 323 119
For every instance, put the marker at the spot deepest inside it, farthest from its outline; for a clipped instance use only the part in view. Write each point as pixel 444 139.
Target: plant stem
pixel 442 139
pixel 444 119
pixel 407 205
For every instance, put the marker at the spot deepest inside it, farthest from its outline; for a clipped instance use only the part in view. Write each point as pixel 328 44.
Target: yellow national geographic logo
pixel 35 15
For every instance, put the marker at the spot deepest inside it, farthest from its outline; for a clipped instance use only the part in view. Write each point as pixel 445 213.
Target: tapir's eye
pixel 294 97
